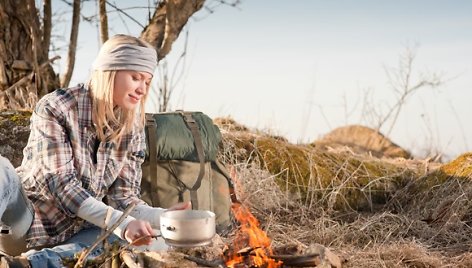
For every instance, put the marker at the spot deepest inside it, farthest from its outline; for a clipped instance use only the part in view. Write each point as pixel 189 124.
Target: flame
pixel 251 234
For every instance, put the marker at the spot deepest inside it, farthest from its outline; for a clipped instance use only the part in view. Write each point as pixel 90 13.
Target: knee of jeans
pixel 57 254
pixel 96 252
pixel 8 176
pixel 43 258
pixel 5 164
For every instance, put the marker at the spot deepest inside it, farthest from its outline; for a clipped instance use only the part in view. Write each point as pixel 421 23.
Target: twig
pixel 124 13
pixel 134 242
pixel 84 255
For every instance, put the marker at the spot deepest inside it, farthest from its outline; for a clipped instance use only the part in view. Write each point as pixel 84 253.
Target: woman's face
pixel 129 88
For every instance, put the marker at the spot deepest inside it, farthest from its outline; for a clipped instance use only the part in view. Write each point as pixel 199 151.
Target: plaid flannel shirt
pixel 58 172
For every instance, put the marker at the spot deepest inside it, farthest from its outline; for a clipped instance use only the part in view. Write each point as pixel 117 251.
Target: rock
pixel 361 139
pixel 14 133
pixel 154 259
pixel 327 258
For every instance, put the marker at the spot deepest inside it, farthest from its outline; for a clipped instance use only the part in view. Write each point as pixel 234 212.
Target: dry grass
pixel 423 221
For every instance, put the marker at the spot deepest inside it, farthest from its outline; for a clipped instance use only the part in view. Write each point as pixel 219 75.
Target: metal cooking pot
pixel 187 228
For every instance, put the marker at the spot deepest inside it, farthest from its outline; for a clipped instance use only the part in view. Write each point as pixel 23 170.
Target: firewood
pixel 246 251
pixel 128 259
pixel 83 257
pixel 115 262
pixel 298 260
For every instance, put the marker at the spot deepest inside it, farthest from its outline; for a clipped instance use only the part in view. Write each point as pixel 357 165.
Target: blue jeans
pixel 16 213
pixel 52 257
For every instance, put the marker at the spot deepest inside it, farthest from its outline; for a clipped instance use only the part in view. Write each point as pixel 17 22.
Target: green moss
pixel 459 167
pixel 20 117
pixel 338 180
pixel 14 117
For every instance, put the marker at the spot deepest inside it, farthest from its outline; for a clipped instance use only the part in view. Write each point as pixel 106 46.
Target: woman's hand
pixel 181 206
pixel 139 233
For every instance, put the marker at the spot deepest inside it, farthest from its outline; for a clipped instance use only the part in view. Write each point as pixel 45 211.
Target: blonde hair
pixel 107 118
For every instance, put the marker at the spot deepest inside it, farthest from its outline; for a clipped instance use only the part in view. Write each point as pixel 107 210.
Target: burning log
pixel 259 242
pixel 244 252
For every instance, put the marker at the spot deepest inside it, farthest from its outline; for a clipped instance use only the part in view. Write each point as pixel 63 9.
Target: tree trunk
pixel 47 25
pixel 72 45
pixel 102 10
pixel 168 20
pixel 22 51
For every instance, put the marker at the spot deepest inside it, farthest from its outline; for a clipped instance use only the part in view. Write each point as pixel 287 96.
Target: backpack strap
pixel 151 128
pixel 232 192
pixel 192 125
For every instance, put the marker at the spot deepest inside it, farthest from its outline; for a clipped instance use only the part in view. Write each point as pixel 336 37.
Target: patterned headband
pixel 127 57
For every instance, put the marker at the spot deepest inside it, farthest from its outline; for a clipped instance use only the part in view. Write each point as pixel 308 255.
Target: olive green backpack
pixel 181 165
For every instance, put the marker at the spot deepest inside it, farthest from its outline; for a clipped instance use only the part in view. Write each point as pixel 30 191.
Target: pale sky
pixel 301 68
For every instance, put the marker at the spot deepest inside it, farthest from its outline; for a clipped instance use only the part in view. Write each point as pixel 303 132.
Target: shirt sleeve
pixel 103 216
pixel 50 151
pixel 127 186
pixel 149 214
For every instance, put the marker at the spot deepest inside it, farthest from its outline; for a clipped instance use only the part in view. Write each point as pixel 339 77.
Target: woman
pixel 82 164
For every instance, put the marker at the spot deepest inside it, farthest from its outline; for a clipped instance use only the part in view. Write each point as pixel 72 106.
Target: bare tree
pixel 74 33
pixel 168 80
pixel 102 10
pixel 25 70
pixel 404 86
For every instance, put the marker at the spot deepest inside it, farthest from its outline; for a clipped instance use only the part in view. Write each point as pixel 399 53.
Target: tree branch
pixel 124 13
pixel 168 20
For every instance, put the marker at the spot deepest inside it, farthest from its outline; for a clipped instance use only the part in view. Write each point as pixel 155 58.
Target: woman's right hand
pixel 139 232
pixel 181 206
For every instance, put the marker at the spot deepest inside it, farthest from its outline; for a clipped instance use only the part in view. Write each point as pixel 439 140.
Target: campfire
pixel 252 245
